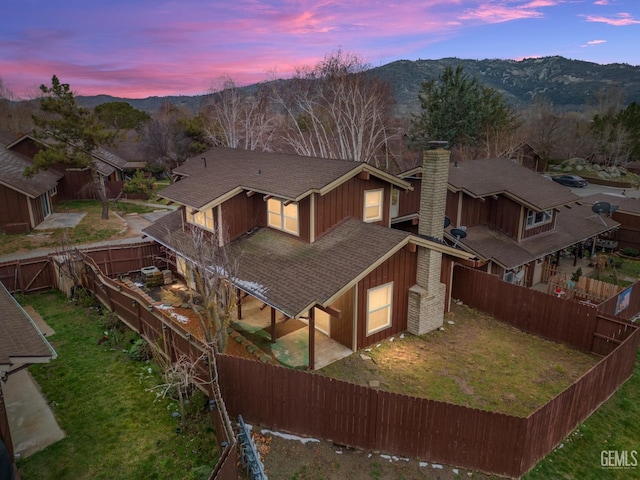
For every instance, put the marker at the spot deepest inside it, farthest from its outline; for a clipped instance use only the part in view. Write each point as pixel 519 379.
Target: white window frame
pixel 54 191
pixel 380 205
pixel 277 215
pixel 388 307
pixel 204 219
pixel 547 217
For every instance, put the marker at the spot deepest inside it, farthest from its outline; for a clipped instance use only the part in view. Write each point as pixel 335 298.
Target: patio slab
pixel 60 220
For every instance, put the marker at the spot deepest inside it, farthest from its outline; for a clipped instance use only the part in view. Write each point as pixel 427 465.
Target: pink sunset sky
pixel 141 48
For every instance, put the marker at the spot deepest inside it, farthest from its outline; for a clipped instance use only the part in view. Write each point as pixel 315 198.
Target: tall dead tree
pixel 336 110
pixel 235 118
pixel 210 271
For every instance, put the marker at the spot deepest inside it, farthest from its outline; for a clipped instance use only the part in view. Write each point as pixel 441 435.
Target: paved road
pixel 592 188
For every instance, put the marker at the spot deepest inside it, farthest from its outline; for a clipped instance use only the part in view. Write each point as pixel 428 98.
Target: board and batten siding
pixel 401 270
pixel 347 201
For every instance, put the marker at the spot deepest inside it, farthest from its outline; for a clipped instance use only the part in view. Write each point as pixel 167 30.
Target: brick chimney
pixel 427 297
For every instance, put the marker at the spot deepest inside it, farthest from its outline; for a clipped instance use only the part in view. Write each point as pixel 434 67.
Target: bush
pixel 139 183
pixel 140 350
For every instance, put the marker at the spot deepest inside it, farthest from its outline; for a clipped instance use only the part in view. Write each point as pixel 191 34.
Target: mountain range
pixel 567 84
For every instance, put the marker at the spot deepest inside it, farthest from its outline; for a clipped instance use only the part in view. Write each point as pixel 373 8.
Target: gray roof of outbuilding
pixel 500 176
pixel 12 166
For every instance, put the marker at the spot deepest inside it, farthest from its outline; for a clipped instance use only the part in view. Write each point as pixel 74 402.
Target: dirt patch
pixel 310 459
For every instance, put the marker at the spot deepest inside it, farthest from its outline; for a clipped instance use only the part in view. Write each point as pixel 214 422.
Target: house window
pixel 283 216
pixel 203 218
pixel 373 200
pixel 535 219
pixel 53 191
pixel 395 202
pixel 379 304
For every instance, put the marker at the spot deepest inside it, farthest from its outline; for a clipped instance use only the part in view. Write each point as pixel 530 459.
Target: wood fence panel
pixel 310 404
pixel 551 423
pixel 529 310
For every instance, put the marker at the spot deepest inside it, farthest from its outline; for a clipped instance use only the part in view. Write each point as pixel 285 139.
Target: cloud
pixel 592 43
pixel 621 20
pixel 499 12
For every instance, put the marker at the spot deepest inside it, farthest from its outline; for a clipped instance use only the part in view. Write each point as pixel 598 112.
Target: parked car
pixel 571 180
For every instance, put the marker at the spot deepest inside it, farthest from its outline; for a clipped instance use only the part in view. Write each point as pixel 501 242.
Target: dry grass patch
pixel 92 228
pixel 475 361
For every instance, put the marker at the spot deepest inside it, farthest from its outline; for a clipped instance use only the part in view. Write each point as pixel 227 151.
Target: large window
pixel 535 219
pixel 283 216
pixel 379 306
pixel 203 218
pixel 373 201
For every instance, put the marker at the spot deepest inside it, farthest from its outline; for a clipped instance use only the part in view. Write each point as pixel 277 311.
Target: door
pixel 46 204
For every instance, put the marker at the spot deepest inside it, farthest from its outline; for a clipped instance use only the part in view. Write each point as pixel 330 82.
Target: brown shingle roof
pixel 20 339
pixel 13 164
pixel 285 176
pixel 290 274
pixel 625 204
pixel 572 226
pixel 495 176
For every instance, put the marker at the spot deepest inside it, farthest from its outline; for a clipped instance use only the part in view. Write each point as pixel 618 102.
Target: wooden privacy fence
pixel 586 288
pixel 362 417
pixel 173 341
pixel 306 403
pixel 358 416
pixel 37 273
pixel 582 326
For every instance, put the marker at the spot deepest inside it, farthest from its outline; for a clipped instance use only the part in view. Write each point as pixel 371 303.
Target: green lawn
pixel 116 427
pixel 615 426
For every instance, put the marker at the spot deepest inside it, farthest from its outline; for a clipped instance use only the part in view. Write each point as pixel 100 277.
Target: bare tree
pixel 179 377
pixel 210 272
pixel 336 110
pixel 541 127
pixel 236 119
pixel 164 138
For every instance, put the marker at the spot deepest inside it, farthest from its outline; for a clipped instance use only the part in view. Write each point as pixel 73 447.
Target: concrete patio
pixel 292 337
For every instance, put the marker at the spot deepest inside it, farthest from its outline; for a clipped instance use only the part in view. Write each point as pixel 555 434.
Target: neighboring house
pixel 311 237
pixel 21 344
pixel 626 211
pixel 525 155
pixel 77 183
pixel 515 221
pixel 24 201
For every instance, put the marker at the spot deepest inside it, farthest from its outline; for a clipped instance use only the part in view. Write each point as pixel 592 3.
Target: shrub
pixel 139 183
pixel 141 350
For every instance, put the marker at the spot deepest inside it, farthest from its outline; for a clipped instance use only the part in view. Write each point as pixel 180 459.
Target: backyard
pixel 91 228
pixel 105 400
pixel 474 361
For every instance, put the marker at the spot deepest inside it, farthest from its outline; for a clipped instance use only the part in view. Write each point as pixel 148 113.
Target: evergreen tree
pixel 71 133
pixel 458 109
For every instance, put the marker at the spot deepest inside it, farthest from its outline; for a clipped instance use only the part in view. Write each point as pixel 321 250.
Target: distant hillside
pixel 569 84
